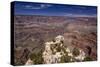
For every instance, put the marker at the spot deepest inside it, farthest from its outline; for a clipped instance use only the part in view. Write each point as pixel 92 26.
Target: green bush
pixel 65 59
pixel 64 50
pixel 58 48
pixel 37 58
pixel 75 52
pixel 87 59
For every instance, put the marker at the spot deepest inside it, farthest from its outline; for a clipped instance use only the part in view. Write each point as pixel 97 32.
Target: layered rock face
pixel 54 39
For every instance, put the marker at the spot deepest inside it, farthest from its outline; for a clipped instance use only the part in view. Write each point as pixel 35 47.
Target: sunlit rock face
pixel 59 38
pixel 55 50
pixel 29 62
pixel 48 55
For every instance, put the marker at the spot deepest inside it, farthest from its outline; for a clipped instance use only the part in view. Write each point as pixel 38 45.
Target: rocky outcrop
pixel 55 51
pixel 29 62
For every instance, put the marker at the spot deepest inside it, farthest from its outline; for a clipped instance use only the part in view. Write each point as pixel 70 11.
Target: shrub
pixel 58 48
pixel 64 50
pixel 87 59
pixel 65 59
pixel 75 52
pixel 37 58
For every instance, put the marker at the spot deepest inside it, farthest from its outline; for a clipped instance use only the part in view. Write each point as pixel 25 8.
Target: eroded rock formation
pixel 55 51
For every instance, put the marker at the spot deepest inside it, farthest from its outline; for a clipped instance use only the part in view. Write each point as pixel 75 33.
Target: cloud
pixel 79 15
pixel 40 6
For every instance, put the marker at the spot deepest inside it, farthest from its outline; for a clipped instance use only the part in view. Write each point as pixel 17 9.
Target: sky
pixel 48 9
